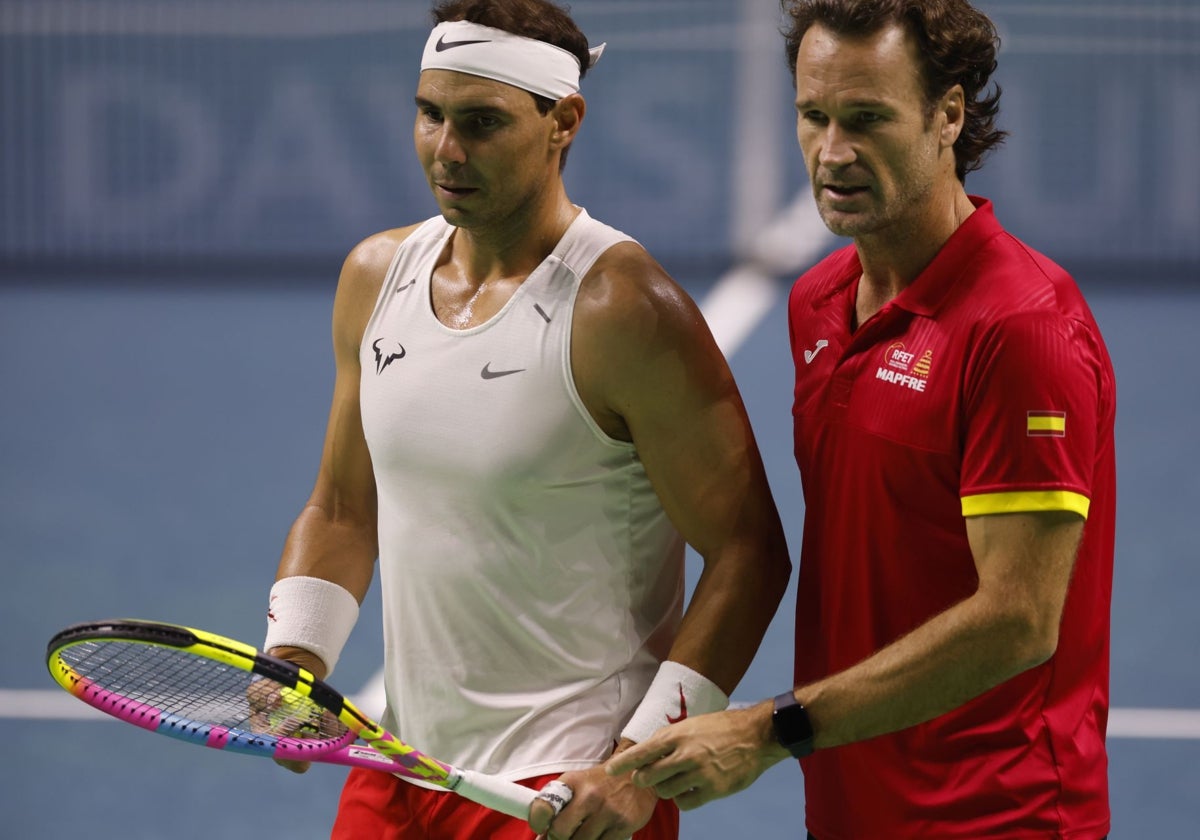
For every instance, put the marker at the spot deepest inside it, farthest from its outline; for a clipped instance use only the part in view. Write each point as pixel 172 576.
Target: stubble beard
pixel 881 215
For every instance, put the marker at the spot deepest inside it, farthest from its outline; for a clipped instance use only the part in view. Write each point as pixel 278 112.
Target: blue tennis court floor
pixel 156 444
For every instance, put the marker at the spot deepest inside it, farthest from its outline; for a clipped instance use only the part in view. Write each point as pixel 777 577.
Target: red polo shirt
pixel 983 388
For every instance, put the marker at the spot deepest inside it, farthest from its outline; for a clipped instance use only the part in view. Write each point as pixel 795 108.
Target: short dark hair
pixel 957 44
pixel 540 20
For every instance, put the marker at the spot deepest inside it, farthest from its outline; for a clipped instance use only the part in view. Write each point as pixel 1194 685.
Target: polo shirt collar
pixel 926 293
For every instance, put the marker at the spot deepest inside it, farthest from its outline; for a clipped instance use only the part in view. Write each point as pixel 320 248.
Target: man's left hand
pixel 704 757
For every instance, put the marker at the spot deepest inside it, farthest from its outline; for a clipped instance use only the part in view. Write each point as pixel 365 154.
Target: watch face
pixel 793 728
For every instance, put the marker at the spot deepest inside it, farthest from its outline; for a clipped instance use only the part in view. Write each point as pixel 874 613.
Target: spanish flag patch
pixel 1046 423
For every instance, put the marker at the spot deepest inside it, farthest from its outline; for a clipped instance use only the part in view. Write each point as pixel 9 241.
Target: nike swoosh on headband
pixel 442 45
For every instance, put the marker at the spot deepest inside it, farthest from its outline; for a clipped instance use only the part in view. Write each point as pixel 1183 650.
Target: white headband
pixel 531 65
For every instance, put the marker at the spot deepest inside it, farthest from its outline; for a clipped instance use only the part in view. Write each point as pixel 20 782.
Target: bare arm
pixel 334 537
pixel 649 370
pixel 1008 625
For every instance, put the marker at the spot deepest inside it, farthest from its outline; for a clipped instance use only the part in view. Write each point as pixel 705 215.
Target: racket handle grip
pixel 498 794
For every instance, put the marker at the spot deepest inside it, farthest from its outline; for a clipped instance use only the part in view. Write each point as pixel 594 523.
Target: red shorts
pixel 378 806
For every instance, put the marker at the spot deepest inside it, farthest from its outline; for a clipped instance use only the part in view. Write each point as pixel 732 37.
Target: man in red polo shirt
pixel 953 416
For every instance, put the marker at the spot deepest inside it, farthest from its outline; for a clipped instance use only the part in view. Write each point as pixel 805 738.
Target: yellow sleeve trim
pixel 1025 502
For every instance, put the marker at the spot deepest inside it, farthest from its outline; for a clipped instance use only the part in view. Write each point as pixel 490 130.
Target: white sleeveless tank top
pixel 531 581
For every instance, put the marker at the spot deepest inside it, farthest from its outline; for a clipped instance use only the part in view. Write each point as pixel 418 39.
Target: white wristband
pixel 677 692
pixel 313 614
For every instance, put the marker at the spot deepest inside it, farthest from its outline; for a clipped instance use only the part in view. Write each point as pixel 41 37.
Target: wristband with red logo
pixel 311 613
pixel 677 692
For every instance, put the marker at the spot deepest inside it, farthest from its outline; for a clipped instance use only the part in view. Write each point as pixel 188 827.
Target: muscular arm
pixel 649 370
pixel 1008 625
pixel 334 537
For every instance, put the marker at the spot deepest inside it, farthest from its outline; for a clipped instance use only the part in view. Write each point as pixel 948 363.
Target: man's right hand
pixel 312 663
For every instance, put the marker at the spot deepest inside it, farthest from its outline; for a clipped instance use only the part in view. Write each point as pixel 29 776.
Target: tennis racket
pixel 205 689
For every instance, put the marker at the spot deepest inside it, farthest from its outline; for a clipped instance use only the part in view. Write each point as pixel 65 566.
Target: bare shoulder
pixel 361 278
pixel 639 340
pixel 367 263
pixel 629 299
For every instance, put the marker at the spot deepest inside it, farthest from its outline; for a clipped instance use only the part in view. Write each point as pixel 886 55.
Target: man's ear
pixel 952 107
pixel 567 114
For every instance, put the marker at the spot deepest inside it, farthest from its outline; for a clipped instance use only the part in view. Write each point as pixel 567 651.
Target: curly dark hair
pixel 957 43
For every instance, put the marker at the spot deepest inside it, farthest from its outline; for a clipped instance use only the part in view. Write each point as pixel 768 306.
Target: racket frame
pixel 385 752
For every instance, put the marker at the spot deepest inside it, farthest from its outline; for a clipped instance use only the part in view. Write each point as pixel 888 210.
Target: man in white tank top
pixel 529 420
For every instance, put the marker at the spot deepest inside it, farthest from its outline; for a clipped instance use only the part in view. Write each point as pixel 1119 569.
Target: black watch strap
pixel 793 728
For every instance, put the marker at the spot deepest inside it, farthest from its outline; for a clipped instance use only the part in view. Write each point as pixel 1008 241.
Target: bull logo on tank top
pixel 387 350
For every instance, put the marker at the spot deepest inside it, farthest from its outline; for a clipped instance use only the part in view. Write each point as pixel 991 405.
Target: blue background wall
pixel 272 135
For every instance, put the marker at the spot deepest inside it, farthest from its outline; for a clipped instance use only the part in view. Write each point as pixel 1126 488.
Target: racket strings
pixel 195 691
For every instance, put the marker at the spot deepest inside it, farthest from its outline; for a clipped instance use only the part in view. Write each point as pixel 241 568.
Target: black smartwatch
pixel 793 729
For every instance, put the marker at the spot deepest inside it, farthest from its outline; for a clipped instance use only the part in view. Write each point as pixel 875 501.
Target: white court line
pixel 50 704
pixel 737 304
pixel 1154 723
